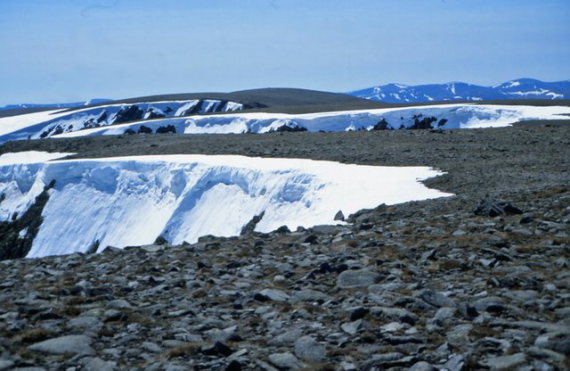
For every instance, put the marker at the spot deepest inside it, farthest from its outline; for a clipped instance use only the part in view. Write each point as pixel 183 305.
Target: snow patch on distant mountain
pixel 514 89
pixel 133 200
pixel 450 116
pixel 55 105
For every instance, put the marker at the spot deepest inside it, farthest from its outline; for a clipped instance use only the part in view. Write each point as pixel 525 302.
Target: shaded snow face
pixel 133 200
pixel 452 116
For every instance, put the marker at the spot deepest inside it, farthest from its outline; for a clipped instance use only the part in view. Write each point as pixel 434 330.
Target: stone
pixel 455 363
pixel 505 362
pixel 275 295
pixel 220 335
pixel 97 364
pixel 119 304
pixel 467 310
pixel 541 353
pixel 436 299
pixel 358 313
pixel 387 360
pixel 309 295
pixel 351 327
pixel 250 226
pixel 558 342
pixel 285 361
pixel 74 344
pixel 87 322
pixel 218 349
pixel 288 337
pixel 443 316
pixel 309 349
pixel 151 347
pixel 6 364
pixel 347 366
pixel 421 366
pixel 459 334
pixel 357 278
pixel 492 208
pixel 392 327
pixel 234 366
pixel 395 313
pixel 489 304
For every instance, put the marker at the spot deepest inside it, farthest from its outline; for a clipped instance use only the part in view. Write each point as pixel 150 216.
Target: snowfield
pixel 455 116
pixel 49 123
pixel 164 117
pixel 133 200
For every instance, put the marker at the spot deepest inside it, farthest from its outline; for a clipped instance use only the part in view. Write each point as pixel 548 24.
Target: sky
pixel 72 50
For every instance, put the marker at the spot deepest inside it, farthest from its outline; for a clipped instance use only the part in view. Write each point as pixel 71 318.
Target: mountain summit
pixel 514 89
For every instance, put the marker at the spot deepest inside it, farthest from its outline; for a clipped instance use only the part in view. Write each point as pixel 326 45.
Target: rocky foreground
pixel 423 285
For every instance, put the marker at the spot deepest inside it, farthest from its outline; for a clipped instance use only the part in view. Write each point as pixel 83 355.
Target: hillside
pixel 153 115
pixel 460 91
pixel 425 284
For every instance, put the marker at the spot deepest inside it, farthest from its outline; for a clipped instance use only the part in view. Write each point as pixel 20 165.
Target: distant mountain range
pixel 514 89
pixel 54 105
pixel 278 99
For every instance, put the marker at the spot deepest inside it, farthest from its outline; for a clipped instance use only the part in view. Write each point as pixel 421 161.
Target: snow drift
pixel 133 200
pixel 48 123
pixel 165 117
pixel 452 116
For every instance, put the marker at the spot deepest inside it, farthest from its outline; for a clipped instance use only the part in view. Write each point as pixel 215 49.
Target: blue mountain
pixel 514 89
pixel 54 105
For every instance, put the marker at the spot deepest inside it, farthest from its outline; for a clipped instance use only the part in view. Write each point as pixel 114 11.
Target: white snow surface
pixel 30 157
pixel 49 123
pixel 458 116
pixel 14 123
pixel 100 120
pixel 128 201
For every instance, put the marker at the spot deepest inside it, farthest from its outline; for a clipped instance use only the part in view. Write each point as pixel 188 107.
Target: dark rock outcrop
pixel 17 235
pixel 491 207
pixel 127 114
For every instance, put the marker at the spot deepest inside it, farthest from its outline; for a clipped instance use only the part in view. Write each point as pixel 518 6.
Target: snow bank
pixel 450 116
pixel 133 200
pixel 31 157
pixel 48 123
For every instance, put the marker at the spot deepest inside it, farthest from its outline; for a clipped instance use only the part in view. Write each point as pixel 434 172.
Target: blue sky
pixel 67 50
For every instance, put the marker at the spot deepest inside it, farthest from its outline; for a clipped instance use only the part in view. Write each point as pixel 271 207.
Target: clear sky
pixel 67 50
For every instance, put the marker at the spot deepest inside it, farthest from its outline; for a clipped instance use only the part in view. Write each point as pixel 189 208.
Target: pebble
pixel 275 295
pixel 74 344
pixel 309 349
pixel 505 362
pixel 357 278
pixel 285 361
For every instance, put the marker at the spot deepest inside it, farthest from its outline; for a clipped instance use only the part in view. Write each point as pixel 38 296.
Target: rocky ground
pixel 422 285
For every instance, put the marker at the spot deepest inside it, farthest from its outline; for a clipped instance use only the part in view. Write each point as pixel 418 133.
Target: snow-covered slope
pixel 49 123
pixel 514 89
pixel 164 117
pixel 133 200
pixel 450 116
